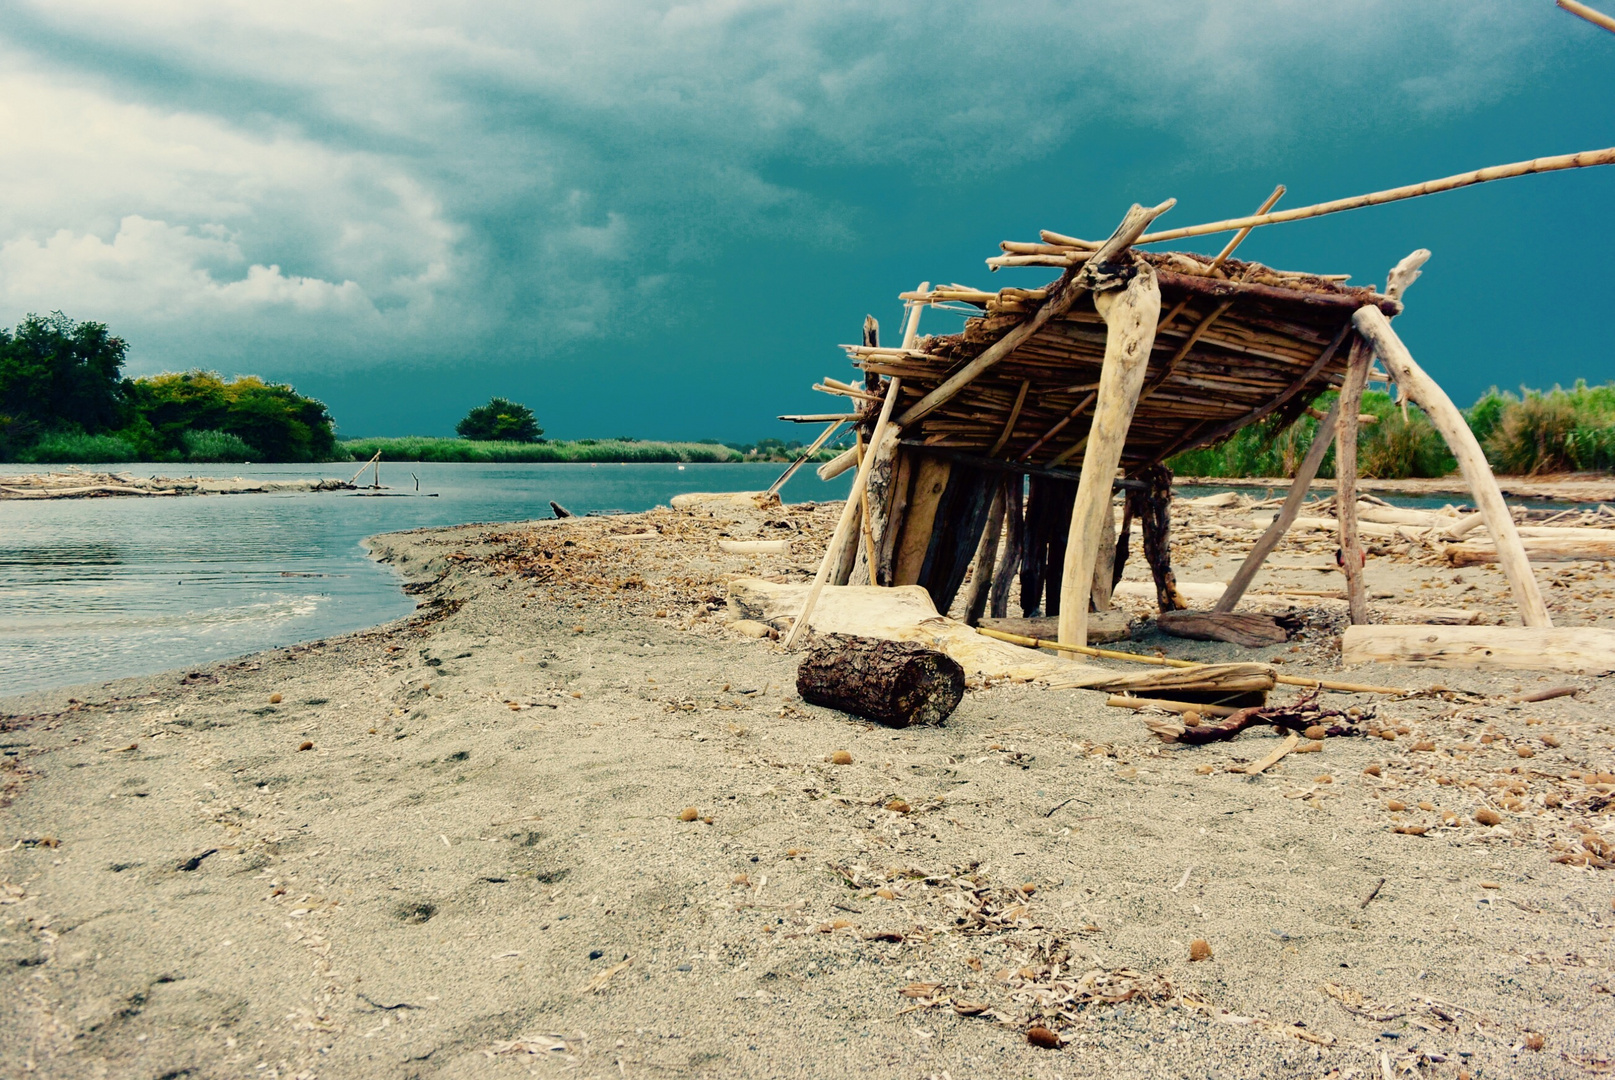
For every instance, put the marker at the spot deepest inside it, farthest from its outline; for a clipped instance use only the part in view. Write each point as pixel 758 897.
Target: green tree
pixel 59 375
pixel 275 421
pixel 500 420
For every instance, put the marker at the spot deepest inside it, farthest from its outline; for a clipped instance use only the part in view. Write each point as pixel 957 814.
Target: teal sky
pixel 661 219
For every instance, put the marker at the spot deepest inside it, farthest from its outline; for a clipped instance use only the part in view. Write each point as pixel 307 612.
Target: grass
pixel 423 448
pixel 77 448
pixel 216 446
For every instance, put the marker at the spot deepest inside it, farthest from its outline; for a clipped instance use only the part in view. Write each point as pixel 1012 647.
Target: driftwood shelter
pixel 997 453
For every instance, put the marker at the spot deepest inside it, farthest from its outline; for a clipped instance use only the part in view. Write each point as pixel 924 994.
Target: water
pixel 97 589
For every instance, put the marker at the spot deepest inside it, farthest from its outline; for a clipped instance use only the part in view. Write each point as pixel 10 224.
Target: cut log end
pixel 896 683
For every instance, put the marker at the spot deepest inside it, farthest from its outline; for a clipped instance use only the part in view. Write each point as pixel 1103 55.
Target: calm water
pixel 97 589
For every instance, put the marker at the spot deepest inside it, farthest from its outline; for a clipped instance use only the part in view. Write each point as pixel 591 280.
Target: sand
pixel 454 847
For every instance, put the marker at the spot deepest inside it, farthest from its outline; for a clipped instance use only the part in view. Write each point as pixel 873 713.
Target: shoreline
pixel 477 866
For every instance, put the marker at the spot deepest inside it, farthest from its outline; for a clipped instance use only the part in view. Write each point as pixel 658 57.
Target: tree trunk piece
pixel 1587 650
pixel 896 683
pixel 986 560
pixel 1153 507
pixel 914 533
pixel 1130 315
pixel 1249 629
pixel 1014 541
pixel 1104 565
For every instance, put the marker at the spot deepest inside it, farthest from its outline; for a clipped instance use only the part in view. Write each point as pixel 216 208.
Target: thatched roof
pixel 1234 345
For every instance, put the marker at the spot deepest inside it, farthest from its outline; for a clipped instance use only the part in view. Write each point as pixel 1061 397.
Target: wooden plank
pixel 914 530
pixel 1130 316
pixel 1584 650
pixel 986 560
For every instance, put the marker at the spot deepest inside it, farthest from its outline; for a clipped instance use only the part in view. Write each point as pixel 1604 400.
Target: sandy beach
pixel 566 821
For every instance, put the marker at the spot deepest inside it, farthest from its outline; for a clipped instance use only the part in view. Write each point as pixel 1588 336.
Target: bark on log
pixel 871 567
pixel 896 683
pixel 1471 461
pixel 1587 650
pixel 1347 407
pixel 1286 515
pixel 1130 315
pixel 1250 629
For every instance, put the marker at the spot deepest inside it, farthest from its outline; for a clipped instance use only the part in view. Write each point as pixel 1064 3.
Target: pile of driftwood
pixel 87 485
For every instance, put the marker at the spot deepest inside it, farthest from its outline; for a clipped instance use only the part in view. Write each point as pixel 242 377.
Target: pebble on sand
pixel 841 757
pixel 1488 816
pixel 274 699
pixel 305 745
pixel 1199 949
pixel 1042 1036
pixel 689 813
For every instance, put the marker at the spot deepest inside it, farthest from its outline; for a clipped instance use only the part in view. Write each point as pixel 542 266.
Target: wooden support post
pixel 874 555
pixel 1153 508
pixel 1014 534
pixel 1351 546
pixel 986 561
pixel 1104 565
pixel 1429 396
pixel 918 522
pixel 1130 316
pixel 1321 440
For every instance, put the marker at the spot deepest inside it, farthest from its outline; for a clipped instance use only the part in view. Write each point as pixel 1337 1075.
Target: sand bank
pixel 453 847
pixel 86 485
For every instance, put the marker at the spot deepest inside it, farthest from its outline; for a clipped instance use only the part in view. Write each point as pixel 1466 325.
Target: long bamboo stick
pixel 809 452
pixel 1167 661
pixel 1592 15
pixel 1582 160
pixel 850 509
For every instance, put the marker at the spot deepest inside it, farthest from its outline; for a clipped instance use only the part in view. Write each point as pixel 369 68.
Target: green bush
pixel 216 446
pixel 1557 431
pixel 274 420
pixel 500 421
pixel 59 447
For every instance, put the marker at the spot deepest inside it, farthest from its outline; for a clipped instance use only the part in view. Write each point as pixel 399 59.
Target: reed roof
pixel 1235 343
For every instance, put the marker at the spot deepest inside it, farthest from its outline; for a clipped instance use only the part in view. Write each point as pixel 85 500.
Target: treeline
pixel 1528 433
pixel 63 399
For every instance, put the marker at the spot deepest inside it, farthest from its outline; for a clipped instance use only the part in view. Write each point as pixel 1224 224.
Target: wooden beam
pixel 1223 289
pixel 1582 650
pixel 1592 15
pixel 1009 562
pixel 1471 461
pixel 1479 176
pixel 1321 440
pixel 1130 316
pixel 1073 286
pixel 986 560
pixel 918 523
pixel 1351 545
pixel 1014 415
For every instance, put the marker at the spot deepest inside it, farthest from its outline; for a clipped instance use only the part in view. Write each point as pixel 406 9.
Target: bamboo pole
pixel 373 461
pixel 809 452
pixel 1014 415
pixel 1166 661
pixel 849 510
pixel 1137 220
pixel 1351 545
pixel 1471 461
pixel 1592 15
pixel 1582 160
pixel 1242 578
pixel 1130 316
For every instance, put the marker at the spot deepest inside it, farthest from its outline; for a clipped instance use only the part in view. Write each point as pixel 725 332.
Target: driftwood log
pixel 1584 650
pixel 1152 505
pixel 1247 628
pixel 1302 715
pixel 896 683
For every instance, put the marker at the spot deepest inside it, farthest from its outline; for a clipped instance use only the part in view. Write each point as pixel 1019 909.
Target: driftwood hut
pixel 996 455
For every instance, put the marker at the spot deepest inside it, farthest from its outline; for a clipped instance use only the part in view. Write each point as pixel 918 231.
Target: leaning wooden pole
pixel 1352 557
pixel 1130 315
pixel 1322 438
pixel 1373 325
pixel 1592 15
pixel 846 526
pixel 986 560
pixel 1582 160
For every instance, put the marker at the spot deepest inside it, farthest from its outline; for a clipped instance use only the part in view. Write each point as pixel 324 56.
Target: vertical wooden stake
pixel 1321 440
pixel 1130 316
pixel 986 561
pixel 1351 546
pixel 1429 396
pixel 1009 562
pixel 1104 564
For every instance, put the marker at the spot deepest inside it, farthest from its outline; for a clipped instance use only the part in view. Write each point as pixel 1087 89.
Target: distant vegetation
pixel 62 399
pixel 1526 434
pixel 424 448
pixel 500 421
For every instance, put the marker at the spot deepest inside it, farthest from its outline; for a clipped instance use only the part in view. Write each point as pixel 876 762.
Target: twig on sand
pixel 1369 899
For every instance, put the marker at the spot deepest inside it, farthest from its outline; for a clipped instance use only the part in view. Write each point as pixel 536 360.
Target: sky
pixel 661 219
